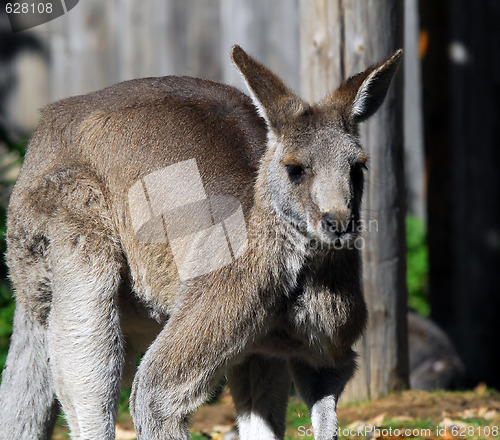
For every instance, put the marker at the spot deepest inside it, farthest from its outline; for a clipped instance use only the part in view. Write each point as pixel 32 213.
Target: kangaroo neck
pixel 276 249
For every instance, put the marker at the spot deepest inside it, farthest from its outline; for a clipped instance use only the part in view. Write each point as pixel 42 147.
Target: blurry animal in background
pixel 434 363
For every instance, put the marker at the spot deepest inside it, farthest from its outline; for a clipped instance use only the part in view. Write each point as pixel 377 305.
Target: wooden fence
pixel 101 43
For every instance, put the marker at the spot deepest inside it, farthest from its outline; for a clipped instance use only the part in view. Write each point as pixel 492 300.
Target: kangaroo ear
pixel 362 94
pixel 273 99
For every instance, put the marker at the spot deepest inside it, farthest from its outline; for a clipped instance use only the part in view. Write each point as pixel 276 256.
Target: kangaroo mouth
pixel 344 239
pixel 328 236
pixel 338 236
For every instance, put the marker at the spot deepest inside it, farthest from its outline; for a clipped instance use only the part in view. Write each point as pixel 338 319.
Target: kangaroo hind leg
pixel 320 387
pixel 84 334
pixel 85 342
pixel 28 404
pixel 260 388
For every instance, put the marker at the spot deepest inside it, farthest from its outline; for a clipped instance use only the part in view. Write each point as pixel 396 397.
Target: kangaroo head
pixel 314 165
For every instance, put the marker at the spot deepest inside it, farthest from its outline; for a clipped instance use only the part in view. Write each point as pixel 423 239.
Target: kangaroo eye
pixel 295 172
pixel 358 168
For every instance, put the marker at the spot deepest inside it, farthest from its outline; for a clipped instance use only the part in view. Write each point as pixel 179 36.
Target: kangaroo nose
pixel 333 226
pixel 330 225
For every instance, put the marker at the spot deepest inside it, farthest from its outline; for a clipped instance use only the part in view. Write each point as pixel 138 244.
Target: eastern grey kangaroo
pixel 121 192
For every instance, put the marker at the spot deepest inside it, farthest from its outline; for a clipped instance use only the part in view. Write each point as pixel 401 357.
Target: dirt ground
pixel 423 404
pixel 409 405
pixel 439 408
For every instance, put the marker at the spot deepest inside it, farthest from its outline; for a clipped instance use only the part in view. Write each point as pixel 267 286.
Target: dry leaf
pixel 481 389
pixel 445 414
pixel 125 434
pixel 468 413
pixel 482 411
pixel 491 414
pixel 222 428
pixel 447 436
pixel 378 420
pixel 403 419
pixel 458 423
pixel 355 425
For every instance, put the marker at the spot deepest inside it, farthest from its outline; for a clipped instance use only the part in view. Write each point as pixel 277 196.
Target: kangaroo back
pixel 127 131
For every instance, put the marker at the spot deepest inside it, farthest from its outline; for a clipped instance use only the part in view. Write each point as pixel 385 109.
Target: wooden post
pixel 338 39
pixel 413 124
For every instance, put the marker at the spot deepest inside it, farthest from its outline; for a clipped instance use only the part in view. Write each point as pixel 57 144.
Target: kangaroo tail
pixel 28 404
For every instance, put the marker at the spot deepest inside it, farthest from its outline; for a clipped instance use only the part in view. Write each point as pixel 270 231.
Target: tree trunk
pixel 339 39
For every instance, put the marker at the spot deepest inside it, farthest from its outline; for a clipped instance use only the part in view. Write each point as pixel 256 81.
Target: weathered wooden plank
pixel 81 44
pixel 100 43
pixel 365 32
pixel 321 48
pixel 267 30
pixel 203 40
pixel 413 123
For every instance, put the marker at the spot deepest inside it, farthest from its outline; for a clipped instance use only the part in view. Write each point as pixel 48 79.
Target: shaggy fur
pixel 91 296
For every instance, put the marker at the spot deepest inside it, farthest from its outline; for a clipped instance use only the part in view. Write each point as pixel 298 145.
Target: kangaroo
pixel 210 231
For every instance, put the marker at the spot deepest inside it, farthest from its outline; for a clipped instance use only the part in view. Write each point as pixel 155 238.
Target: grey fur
pixel 90 296
pixel 28 404
pixel 260 387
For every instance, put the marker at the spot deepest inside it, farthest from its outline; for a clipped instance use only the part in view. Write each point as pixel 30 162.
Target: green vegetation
pixel 8 164
pixel 417 265
pixel 297 418
pixel 6 301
